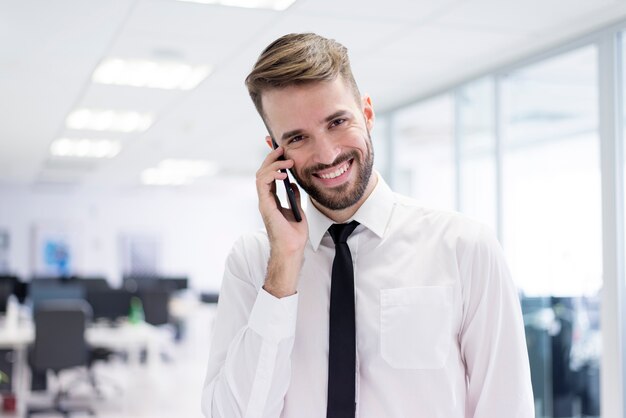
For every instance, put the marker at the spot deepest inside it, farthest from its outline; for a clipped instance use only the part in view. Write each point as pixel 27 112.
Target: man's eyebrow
pixel 336 115
pixel 289 134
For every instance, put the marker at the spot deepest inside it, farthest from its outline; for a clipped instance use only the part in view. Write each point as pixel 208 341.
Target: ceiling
pixel 399 51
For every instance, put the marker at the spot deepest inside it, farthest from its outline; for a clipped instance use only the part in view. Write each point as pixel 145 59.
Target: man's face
pixel 325 131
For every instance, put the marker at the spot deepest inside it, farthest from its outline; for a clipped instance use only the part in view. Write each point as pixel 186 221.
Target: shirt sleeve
pixel 253 335
pixel 492 338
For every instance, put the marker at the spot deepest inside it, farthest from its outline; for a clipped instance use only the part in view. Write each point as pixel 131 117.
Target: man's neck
pixel 342 215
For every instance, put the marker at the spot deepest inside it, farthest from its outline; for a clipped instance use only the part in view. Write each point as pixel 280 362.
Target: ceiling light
pixel 192 168
pixel 168 75
pixel 109 120
pixel 85 148
pixel 156 177
pixel 174 172
pixel 249 4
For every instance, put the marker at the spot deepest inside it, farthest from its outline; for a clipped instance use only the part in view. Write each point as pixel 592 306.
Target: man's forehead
pixel 310 103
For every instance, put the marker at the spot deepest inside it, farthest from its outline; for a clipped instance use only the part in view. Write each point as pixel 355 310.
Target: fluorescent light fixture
pixel 249 4
pixel 174 172
pixel 156 177
pixel 85 148
pixel 109 120
pixel 168 75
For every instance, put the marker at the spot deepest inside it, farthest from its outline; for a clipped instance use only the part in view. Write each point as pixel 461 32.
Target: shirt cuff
pixel 273 318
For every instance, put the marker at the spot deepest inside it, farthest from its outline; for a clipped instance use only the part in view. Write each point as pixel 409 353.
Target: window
pixel 551 224
pixel 424 152
pixel 477 152
pixel 380 142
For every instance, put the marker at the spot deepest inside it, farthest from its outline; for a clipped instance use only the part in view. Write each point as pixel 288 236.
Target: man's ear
pixel 268 141
pixel 368 111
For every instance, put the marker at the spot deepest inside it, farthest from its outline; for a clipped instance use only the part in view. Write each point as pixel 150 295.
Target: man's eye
pixel 337 122
pixel 295 139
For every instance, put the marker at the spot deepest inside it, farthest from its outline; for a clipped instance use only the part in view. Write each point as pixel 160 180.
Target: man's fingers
pixel 273 156
pixel 265 178
pixel 271 172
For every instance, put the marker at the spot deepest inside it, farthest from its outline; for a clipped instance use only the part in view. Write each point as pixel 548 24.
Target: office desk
pixel 17 339
pixel 130 338
pixel 126 337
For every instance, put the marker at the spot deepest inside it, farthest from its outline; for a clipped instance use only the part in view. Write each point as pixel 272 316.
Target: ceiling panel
pixel 427 57
pixel 31 29
pixel 525 16
pixel 391 11
pixel 193 32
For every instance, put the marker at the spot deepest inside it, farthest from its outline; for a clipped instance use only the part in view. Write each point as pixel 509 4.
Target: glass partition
pixel 622 123
pixel 424 152
pixel 551 225
pixel 380 142
pixel 477 151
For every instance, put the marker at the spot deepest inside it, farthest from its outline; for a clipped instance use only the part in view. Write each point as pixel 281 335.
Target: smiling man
pixel 371 306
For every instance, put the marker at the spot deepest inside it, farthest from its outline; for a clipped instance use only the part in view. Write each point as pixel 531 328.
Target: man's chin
pixel 341 197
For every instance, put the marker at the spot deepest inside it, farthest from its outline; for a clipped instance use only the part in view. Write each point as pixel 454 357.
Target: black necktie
pixel 342 333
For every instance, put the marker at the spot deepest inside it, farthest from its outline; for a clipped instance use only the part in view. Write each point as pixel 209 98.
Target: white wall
pixel 197 229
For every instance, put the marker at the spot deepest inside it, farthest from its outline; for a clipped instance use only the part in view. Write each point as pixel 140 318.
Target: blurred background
pixel 129 145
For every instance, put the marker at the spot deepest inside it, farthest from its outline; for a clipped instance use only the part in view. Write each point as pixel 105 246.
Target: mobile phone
pixel 291 196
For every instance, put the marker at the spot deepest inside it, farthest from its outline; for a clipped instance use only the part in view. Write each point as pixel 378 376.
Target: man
pixel 431 326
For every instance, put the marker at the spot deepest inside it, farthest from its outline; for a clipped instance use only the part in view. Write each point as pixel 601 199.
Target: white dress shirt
pixel 439 329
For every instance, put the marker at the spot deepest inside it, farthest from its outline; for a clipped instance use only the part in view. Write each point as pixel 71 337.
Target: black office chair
pixel 59 345
pixel 42 290
pixel 107 305
pixel 155 305
pixel 6 290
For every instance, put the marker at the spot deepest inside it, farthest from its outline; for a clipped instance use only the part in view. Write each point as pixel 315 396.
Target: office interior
pixel 129 146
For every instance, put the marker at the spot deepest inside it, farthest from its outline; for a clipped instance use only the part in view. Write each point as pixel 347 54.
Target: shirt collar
pixel 373 214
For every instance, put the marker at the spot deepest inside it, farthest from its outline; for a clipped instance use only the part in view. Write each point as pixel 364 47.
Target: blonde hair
pixel 296 59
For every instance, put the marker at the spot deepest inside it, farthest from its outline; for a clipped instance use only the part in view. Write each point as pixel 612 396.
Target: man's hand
pixel 287 237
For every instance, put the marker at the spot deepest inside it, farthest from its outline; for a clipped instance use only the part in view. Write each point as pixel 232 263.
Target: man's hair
pixel 297 59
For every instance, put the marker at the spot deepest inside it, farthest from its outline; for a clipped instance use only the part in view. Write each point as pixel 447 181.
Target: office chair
pixel 41 291
pixel 59 345
pixel 107 305
pixel 155 305
pixel 156 311
pixel 6 290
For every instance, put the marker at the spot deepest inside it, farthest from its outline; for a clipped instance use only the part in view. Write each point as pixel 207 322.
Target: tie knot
pixel 341 232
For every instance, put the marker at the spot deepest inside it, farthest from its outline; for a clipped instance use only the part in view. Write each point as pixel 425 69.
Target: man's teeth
pixel 336 173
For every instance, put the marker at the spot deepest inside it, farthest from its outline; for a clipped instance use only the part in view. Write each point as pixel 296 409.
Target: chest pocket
pixel 416 326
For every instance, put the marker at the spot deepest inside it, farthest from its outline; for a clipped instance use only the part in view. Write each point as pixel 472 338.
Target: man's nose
pixel 326 149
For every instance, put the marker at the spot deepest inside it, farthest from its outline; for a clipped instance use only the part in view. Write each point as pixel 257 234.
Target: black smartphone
pixel 291 196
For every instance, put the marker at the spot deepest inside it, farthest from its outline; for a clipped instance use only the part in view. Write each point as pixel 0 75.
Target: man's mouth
pixel 335 172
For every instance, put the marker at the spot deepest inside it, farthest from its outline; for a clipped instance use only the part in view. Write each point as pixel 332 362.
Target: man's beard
pixel 340 197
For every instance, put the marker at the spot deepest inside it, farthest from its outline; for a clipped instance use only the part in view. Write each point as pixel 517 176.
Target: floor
pixel 172 389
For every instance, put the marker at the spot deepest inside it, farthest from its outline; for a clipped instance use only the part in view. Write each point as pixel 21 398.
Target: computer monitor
pixel 92 283
pixel 20 288
pixel 173 283
pixel 136 283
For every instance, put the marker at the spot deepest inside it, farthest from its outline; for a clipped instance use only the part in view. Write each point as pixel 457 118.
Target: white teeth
pixel 336 173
